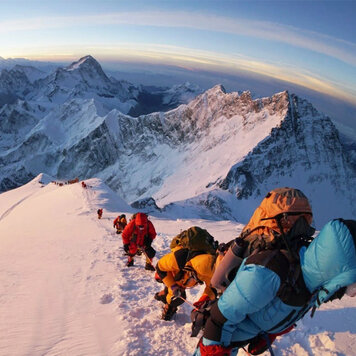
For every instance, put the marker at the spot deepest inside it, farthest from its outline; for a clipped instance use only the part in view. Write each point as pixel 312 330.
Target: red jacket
pixel 132 234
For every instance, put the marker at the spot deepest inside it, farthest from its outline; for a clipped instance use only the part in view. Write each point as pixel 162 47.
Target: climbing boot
pixel 149 267
pixel 168 312
pixel 161 296
pixel 130 262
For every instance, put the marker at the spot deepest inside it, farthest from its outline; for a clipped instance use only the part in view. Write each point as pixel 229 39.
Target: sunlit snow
pixel 65 289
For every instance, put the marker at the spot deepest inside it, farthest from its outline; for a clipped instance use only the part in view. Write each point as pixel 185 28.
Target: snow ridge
pixel 67 289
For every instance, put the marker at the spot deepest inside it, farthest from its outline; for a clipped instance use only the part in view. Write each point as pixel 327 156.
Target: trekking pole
pixel 246 351
pixel 189 303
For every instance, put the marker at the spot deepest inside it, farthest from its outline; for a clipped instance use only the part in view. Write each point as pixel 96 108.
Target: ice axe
pixel 147 258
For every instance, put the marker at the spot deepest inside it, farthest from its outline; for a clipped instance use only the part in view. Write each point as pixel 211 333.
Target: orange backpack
pixel 283 220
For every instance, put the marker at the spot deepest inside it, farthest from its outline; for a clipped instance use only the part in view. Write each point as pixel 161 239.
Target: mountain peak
pixel 86 61
pixel 217 88
pixel 88 66
pixel 87 69
pixel 211 94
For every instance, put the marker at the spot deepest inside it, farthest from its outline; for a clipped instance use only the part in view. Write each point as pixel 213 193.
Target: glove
pixel 176 291
pixel 127 248
pixel 213 350
pixel 199 303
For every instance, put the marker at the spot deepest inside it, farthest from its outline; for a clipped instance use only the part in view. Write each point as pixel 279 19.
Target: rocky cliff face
pixel 304 138
pixel 303 151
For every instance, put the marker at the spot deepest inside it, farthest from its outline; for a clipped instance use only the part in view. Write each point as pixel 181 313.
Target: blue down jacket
pixel 250 304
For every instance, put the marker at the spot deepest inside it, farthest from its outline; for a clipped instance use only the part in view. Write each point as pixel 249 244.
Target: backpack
pixel 196 240
pixel 122 220
pixel 281 221
pixel 193 242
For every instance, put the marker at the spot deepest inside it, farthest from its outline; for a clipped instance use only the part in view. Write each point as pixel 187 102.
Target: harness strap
pixel 134 234
pixel 265 336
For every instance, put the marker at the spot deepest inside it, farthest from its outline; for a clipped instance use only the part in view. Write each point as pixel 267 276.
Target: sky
pixel 310 44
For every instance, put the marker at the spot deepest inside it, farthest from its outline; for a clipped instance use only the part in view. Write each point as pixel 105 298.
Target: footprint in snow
pixel 106 298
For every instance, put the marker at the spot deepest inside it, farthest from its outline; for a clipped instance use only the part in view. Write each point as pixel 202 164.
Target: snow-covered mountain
pixel 65 289
pixel 219 154
pixel 85 79
pixel 11 63
pixel 32 73
pixel 14 81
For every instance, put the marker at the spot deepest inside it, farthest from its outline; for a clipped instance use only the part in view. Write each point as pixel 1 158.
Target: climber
pixel 191 262
pixel 120 223
pixel 138 236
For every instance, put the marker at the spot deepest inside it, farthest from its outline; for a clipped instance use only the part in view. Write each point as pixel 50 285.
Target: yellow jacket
pixel 199 269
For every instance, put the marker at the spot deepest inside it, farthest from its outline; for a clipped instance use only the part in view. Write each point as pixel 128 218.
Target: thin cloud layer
pixel 232 61
pixel 313 41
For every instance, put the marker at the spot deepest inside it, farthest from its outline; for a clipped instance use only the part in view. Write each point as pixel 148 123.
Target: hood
pixel 141 219
pixel 329 262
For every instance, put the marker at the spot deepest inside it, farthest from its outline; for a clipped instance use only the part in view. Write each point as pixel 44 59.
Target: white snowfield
pixel 65 289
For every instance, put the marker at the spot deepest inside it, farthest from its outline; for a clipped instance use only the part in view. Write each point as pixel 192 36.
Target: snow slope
pixel 65 289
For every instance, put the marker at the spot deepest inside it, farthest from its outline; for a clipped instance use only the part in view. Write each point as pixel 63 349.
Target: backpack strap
pixel 183 256
pixel 351 225
pixel 134 234
pixel 292 290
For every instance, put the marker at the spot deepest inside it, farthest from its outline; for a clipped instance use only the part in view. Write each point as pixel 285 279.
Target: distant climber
pixel 100 213
pixel 138 236
pixel 84 185
pixel 120 223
